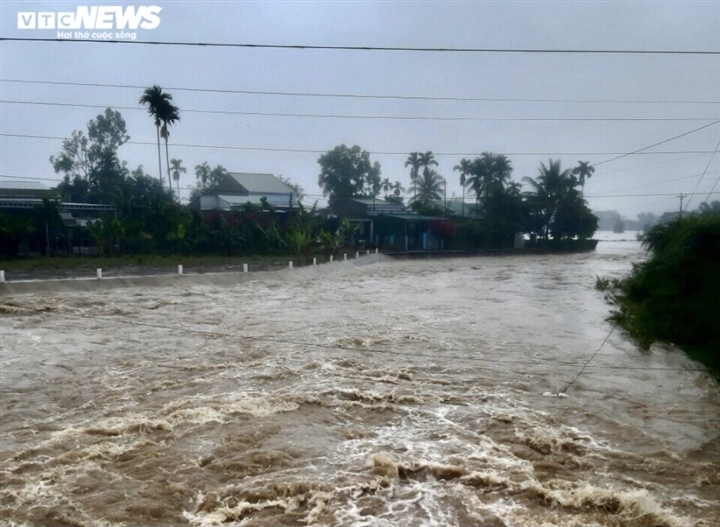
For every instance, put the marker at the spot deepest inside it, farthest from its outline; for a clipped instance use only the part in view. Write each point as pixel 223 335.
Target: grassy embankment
pixel 675 295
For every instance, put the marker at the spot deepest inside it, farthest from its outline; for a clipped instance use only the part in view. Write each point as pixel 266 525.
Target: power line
pixel 311 151
pixel 701 178
pixel 712 190
pixel 587 363
pixel 640 150
pixel 656 183
pixel 382 117
pixel 634 168
pixel 373 48
pixel 359 96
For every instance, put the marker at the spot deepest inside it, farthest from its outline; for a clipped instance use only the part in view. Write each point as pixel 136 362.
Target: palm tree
pixel 582 171
pixel 500 169
pixel 413 161
pixel 428 187
pixel 157 102
pixel 427 160
pixel 176 168
pixel 170 117
pixel 477 179
pixel 551 186
pixel 464 168
pixel 202 172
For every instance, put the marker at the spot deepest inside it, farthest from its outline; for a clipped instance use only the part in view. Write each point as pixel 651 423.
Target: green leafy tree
pixel 90 164
pixel 487 174
pixel 330 242
pixel 549 189
pixel 347 172
pixel 673 295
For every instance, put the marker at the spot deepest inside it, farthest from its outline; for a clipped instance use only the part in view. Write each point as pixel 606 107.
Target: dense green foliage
pixel 347 172
pixel 675 295
pixel 142 216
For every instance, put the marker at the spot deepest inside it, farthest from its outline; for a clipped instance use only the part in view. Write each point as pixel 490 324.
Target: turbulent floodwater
pixel 400 393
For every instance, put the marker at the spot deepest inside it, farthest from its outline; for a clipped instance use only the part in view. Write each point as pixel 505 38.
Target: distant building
pixel 388 226
pixel 23 194
pixel 59 226
pixel 239 188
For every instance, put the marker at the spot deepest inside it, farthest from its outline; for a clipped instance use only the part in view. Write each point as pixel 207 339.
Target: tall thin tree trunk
pixel 159 156
pixel 167 164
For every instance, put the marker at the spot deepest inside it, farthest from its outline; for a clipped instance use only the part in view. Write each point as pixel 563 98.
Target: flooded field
pixel 399 393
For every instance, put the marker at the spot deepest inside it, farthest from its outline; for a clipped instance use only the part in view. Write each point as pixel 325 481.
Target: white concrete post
pixel 290 264
pixel 245 269
pixel 344 256
pixel 376 251
pixel 332 258
pixel 2 275
pixel 368 252
pixel 99 272
pixel 357 254
pixel 314 261
pixel 180 269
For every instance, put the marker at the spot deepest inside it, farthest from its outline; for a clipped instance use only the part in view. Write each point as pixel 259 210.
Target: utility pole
pixel 682 197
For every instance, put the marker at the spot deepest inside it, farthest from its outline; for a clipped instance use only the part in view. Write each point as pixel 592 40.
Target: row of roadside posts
pixel 99 273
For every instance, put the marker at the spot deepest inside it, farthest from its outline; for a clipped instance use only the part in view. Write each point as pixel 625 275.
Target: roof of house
pixel 259 183
pixel 379 205
pixel 12 190
pixel 22 184
pixel 238 201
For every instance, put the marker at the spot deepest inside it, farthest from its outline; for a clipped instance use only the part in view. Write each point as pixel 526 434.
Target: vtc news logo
pixel 93 17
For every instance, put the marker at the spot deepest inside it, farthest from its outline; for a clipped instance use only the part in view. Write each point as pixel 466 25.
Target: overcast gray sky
pixel 647 182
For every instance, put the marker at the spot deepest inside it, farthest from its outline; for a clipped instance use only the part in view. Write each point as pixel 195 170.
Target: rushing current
pixel 375 392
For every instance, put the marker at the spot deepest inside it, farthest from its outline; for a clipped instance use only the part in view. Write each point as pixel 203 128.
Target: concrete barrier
pixel 75 285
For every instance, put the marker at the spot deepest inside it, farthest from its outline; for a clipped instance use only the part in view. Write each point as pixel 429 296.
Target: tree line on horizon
pixel 151 217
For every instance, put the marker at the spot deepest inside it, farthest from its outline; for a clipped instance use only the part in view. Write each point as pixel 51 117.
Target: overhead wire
pixel 360 96
pixel 374 117
pixel 643 149
pixel 312 151
pixel 703 175
pixel 313 47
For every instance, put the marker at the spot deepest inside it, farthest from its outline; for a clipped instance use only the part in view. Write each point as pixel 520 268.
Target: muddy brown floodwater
pixel 399 393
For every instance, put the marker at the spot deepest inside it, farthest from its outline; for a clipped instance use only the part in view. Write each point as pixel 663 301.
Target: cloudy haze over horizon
pixel 529 106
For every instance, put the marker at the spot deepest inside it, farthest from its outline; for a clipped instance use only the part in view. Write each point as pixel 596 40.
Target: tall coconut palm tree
pixel 413 161
pixel 477 179
pixel 157 102
pixel 582 171
pixel 169 117
pixel 500 169
pixel 464 168
pixel 428 187
pixel 548 190
pixel 176 168
pixel 427 159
